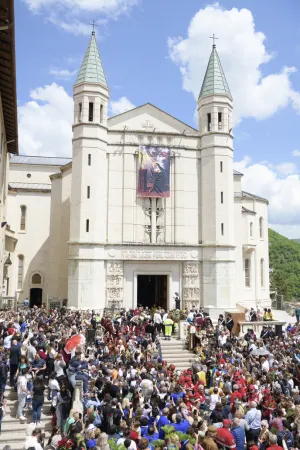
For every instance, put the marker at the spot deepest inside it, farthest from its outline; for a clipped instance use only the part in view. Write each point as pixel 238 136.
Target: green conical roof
pixel 91 70
pixel 214 81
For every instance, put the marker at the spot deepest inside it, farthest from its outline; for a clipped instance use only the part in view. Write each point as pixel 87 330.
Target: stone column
pixel 114 284
pixel 191 284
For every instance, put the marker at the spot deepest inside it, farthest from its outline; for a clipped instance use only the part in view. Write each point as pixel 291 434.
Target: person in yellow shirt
pixel 202 377
pixel 168 324
pixel 268 315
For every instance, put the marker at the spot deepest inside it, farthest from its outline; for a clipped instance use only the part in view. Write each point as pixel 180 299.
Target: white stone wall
pixel 3 195
pixel 59 234
pixel 38 173
pixel 254 248
pixel 33 243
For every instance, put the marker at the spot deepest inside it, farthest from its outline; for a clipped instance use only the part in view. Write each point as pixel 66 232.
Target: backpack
pixel 113 417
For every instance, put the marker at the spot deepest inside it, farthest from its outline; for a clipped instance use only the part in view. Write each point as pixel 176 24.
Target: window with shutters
pixel 247 272
pixel 23 218
pixel 261 228
pixel 251 229
pixel 20 271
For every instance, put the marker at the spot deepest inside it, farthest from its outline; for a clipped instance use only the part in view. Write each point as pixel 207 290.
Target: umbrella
pixel 262 351
pixel 76 339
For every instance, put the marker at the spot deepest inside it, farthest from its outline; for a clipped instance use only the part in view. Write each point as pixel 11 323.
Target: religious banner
pixel 154 171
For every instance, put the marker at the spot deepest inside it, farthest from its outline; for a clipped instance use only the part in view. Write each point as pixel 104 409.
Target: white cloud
pixel 63 74
pixel 282 191
pixel 286 168
pixel 74 15
pixel 243 54
pixel 119 106
pixel 45 122
pixel 296 152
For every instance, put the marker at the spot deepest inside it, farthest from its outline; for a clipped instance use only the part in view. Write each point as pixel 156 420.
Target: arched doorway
pixel 36 291
pixel 36 296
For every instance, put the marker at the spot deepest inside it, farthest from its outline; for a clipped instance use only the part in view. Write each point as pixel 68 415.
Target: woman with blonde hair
pixel 102 442
pixel 263 438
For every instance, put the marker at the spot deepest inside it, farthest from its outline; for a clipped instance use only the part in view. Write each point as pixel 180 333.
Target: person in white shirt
pixel 31 352
pixel 157 321
pixel 265 367
pixel 59 365
pixel 125 437
pixel 32 441
pixel 222 339
pixel 22 393
pixel 191 316
pixel 7 342
pixel 214 399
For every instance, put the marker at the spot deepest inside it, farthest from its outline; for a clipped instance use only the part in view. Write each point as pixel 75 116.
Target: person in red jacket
pixel 236 395
pixel 224 437
pixel 268 403
pixel 273 443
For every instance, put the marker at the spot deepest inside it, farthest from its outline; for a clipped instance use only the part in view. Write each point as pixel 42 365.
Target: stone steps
pixel 175 352
pixel 13 430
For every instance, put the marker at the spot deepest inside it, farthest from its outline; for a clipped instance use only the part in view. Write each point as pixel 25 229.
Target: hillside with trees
pixel 285 266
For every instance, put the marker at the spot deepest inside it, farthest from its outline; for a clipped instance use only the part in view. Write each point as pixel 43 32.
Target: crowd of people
pixel 241 392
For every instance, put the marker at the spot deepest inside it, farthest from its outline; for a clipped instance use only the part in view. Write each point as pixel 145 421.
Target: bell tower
pixel 215 105
pixel 88 209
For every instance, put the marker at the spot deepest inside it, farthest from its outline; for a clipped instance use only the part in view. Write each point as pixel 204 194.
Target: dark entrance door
pixel 152 290
pixel 36 295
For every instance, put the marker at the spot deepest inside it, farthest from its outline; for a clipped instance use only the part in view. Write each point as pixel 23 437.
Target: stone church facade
pixel 101 244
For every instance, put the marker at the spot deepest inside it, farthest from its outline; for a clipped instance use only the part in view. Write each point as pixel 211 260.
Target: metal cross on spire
pixel 93 25
pixel 214 38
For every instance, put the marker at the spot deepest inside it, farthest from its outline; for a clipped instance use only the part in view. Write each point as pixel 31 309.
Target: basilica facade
pixel 147 207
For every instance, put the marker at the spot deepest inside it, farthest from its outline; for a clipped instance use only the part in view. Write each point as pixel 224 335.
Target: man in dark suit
pixel 15 353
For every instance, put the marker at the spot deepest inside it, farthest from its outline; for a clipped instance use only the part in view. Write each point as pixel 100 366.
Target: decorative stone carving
pixel 114 284
pixel 160 221
pixel 191 268
pixel 190 281
pixel 115 268
pixel 147 226
pixel 191 284
pixel 114 281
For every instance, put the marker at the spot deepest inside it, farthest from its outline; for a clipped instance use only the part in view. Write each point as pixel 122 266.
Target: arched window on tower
pixel 36 279
pixel 220 126
pixel 91 111
pixel 20 271
pixel 261 228
pixel 23 218
pixel 251 229
pixel 101 113
pixel 79 112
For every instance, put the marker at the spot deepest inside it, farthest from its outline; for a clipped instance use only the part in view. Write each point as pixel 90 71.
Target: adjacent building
pixel 8 134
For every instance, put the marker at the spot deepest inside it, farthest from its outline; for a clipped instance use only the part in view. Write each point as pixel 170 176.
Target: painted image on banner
pixel 154 172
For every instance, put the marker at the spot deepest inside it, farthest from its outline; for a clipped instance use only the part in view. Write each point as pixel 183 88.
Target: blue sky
pixel 142 64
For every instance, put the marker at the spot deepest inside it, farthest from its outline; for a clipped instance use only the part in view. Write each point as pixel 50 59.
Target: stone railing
pixel 77 400
pixel 258 326
pixel 8 303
